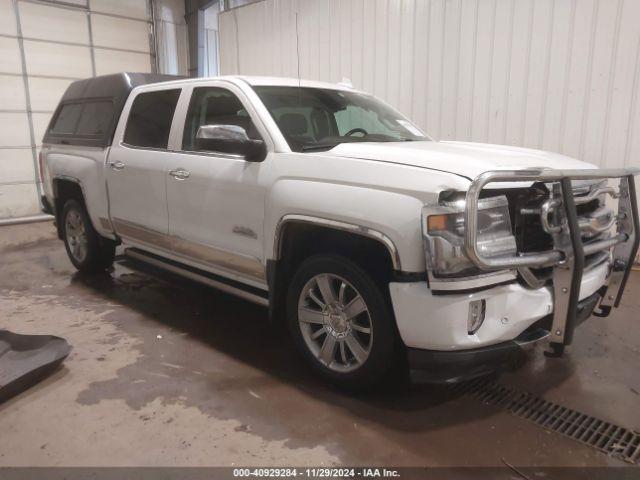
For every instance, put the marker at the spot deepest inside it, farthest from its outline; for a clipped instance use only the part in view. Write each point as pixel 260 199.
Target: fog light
pixel 476 315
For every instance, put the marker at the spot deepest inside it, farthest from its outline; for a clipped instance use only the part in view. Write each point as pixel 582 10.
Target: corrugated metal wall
pixel 44 46
pixel 560 75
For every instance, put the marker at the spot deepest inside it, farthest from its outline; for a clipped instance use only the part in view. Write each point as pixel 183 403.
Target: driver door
pixel 216 200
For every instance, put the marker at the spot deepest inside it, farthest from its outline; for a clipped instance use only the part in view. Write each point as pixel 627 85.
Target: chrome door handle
pixel 179 174
pixel 116 165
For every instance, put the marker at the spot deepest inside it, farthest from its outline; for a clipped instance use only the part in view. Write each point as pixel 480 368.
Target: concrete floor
pixel 172 374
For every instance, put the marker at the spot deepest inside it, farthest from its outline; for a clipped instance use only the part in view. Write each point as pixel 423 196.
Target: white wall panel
pixel 500 65
pixel 53 23
pixel 9 56
pixel 7 18
pixel 46 92
pixel 120 33
pixel 560 45
pixel 229 44
pixel 57 42
pixel 597 102
pixel 16 165
pixel 57 60
pixel 173 54
pixel 12 93
pixel 171 37
pixel 14 130
pixel 18 200
pixel 620 126
pixel 110 61
pixel 129 8
pixel 40 124
pixel 561 75
pixel 170 11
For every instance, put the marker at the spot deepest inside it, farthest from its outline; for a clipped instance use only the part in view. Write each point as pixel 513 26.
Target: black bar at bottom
pixel 504 471
pixel 578 258
pixel 634 251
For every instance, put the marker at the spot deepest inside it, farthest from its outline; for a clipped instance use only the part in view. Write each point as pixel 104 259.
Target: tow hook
pixel 619 265
pixel 604 310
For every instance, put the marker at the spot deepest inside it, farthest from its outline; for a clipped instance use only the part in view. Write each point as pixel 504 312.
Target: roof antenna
pixel 298 59
pixel 297 50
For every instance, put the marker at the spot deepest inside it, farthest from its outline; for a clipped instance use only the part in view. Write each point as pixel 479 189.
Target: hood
pixel 461 158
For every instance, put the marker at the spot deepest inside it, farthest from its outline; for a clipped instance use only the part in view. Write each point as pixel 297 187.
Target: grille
pixel 606 437
pixel 525 204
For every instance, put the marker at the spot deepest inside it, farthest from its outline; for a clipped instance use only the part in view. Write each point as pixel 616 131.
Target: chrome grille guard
pixel 568 253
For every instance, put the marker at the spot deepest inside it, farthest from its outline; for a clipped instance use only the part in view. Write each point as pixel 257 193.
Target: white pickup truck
pixel 375 244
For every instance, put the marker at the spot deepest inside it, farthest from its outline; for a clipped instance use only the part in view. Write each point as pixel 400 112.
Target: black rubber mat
pixel 27 359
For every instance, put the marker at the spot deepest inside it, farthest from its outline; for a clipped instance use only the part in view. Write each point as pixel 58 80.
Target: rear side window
pixel 95 118
pixel 150 119
pixel 67 119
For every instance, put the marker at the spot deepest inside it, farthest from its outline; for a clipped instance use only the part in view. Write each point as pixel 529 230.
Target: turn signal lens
pixel 446 229
pixel 437 222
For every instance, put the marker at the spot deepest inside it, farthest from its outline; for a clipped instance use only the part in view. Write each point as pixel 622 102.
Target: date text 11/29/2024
pixel 322 472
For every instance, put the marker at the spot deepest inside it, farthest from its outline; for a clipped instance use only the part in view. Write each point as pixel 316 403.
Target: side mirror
pixel 230 139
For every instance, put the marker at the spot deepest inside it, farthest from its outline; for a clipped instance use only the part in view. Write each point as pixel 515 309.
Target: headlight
pixel 444 235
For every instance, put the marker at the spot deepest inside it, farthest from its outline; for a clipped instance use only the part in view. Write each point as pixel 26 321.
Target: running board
pixel 226 285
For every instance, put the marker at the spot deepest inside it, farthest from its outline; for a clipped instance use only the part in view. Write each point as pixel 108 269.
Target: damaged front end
pixel 560 228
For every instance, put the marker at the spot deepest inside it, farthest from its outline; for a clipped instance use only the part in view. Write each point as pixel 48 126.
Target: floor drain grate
pixel 606 437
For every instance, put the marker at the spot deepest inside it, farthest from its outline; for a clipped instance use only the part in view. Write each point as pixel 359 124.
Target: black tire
pixel 383 345
pixel 99 251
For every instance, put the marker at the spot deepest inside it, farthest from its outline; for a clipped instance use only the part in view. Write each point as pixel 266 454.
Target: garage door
pixel 44 46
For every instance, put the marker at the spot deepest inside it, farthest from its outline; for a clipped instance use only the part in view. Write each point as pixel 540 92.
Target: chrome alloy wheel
pixel 76 235
pixel 335 322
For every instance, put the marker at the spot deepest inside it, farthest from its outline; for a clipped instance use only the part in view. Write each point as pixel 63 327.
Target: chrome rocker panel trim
pixel 237 267
pixel 196 275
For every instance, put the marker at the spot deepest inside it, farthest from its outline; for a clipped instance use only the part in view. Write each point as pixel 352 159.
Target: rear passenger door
pixel 136 170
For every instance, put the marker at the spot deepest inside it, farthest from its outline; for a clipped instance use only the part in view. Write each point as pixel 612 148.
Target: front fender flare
pixel 337 225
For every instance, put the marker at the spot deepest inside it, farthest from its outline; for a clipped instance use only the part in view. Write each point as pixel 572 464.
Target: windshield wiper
pixel 325 146
pixel 328 146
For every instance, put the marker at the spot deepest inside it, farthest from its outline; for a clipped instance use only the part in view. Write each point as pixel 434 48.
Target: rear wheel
pixel 341 322
pixel 88 251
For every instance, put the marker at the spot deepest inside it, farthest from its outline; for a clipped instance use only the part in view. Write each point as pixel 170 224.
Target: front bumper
pixel 454 366
pixel 566 227
pixel 434 327
pixel 439 322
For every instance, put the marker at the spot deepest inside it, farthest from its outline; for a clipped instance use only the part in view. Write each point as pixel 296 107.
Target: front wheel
pixel 88 251
pixel 341 322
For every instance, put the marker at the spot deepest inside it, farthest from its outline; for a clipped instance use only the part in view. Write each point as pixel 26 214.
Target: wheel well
pixel 63 190
pixel 300 240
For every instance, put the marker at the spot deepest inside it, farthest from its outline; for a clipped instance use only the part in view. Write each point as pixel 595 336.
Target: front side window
pixel 214 106
pixel 150 118
pixel 321 118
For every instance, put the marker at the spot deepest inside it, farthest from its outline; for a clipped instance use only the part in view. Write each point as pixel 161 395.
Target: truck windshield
pixel 316 119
